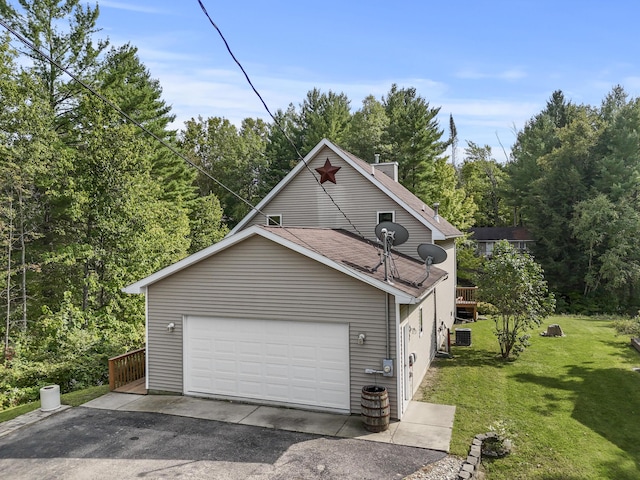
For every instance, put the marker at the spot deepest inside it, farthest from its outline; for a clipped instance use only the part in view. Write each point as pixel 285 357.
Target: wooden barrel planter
pixel 375 408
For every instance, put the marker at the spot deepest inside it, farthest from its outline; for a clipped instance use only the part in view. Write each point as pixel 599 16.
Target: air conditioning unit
pixel 463 337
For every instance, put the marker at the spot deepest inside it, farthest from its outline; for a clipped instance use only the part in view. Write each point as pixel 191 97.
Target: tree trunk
pixel 8 286
pixel 23 260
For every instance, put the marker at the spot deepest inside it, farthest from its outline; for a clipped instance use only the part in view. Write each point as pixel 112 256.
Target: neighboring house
pixel 297 314
pixel 487 237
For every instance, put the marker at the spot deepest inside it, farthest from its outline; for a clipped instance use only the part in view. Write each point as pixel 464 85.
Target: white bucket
pixel 49 398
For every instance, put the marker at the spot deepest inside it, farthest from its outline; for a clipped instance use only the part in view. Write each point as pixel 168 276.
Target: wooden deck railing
pixel 467 302
pixel 126 368
pixel 466 294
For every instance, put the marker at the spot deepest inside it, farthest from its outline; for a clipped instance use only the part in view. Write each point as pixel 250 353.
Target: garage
pixel 283 362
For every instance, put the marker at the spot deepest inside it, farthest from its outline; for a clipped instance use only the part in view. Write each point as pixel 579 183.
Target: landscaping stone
pixel 553 330
pixel 468 468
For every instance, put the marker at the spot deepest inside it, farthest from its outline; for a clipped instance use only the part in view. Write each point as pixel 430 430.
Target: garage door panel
pixel 290 362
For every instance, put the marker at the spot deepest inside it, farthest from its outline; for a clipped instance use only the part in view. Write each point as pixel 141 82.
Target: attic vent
pixel 376 157
pixel 436 207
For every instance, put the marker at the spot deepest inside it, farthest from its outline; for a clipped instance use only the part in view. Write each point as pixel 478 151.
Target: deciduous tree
pixel 514 284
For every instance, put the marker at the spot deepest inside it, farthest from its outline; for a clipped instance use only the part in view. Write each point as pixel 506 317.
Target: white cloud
pixel 129 7
pixel 509 74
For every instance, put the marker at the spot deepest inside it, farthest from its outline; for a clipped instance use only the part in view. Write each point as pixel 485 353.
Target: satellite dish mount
pixel 390 234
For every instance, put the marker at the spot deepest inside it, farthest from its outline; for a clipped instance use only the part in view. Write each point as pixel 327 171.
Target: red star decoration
pixel 328 172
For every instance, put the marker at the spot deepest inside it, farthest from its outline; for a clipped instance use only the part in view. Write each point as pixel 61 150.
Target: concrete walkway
pixel 425 425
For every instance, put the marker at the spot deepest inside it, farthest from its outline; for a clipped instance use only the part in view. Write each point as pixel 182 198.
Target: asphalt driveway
pixel 86 443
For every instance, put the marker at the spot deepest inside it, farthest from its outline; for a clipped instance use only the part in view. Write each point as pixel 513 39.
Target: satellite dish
pixel 431 254
pixel 397 232
pixel 433 251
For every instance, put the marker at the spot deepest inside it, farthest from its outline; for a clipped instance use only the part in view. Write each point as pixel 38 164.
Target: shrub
pixel 629 326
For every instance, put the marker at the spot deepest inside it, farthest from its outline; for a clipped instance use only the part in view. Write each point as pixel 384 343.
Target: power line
pixel 142 127
pixel 123 113
pixel 255 90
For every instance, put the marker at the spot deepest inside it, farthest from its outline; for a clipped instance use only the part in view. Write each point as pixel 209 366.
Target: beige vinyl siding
pixel 303 203
pixel 258 279
pixel 446 296
pixel 421 345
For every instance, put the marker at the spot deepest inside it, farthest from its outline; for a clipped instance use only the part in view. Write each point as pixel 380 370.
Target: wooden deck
pixel 137 387
pixel 466 301
pixel 127 372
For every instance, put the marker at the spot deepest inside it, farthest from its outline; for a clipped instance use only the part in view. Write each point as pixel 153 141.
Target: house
pixel 487 237
pixel 294 306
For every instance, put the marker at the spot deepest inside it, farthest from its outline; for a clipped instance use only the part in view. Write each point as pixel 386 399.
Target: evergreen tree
pixel 483 179
pixel 414 138
pixel 368 126
pixel 280 154
pixel 322 115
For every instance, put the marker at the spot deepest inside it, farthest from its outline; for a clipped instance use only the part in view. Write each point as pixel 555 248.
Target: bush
pixel 70 348
pixel 485 308
pixel 629 326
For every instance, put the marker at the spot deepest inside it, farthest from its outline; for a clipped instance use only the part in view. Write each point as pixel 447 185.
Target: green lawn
pixel 72 398
pixel 572 404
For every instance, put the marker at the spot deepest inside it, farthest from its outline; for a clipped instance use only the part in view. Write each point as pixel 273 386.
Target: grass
pixel 571 405
pixel 72 398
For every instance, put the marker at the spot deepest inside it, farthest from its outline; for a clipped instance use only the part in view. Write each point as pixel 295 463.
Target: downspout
pixel 387 315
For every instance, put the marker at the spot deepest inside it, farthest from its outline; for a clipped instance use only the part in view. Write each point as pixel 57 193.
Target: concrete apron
pixel 425 425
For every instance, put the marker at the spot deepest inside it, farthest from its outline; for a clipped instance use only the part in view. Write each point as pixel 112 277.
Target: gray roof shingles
pixel 361 256
pixel 409 198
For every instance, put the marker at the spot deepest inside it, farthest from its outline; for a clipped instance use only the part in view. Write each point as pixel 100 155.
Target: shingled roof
pixel 338 249
pixel 501 233
pixel 362 256
pixel 417 205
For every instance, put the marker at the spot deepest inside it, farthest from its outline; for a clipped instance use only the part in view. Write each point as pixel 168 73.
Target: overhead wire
pixel 122 113
pixel 176 152
pixel 125 115
pixel 275 120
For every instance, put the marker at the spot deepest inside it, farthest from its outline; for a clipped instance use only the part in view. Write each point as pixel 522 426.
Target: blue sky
pixel 492 64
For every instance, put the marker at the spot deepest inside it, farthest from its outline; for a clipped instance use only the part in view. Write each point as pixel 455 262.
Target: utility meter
pixel 387 367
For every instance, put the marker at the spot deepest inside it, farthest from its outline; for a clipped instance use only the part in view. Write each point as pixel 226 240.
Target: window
pixel 386 217
pixel 489 249
pixel 420 320
pixel 274 220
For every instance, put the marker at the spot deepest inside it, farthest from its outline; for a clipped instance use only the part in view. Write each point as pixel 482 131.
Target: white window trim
pixel 272 215
pixel 392 212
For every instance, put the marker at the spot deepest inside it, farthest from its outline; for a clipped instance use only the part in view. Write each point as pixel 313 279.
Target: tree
pixel 72 47
pixel 123 78
pixel 483 179
pixel 322 115
pixel 27 143
pixel 280 151
pixel 235 158
pixel 414 138
pixel 514 284
pixel 368 126
pixel 538 138
pixel 453 141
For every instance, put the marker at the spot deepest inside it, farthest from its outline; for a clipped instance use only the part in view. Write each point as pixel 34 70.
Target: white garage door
pixel 301 363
